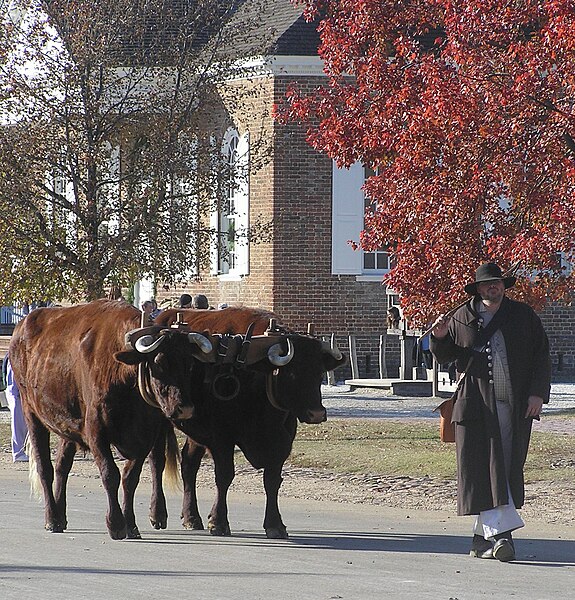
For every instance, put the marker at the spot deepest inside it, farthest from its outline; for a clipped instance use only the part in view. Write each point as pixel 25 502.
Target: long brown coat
pixel 481 480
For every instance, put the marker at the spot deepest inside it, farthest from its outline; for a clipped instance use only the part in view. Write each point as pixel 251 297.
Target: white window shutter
pixel 242 206
pixel 347 218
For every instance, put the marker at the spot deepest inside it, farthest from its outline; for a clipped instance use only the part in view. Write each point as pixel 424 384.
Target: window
pixel 392 300
pixel 231 214
pixel 376 261
pixel 563 263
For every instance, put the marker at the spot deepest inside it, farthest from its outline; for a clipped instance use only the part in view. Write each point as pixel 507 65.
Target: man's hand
pixel 440 326
pixel 534 405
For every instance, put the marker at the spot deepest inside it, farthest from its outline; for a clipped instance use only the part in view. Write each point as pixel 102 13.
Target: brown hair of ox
pixel 234 319
pixel 250 421
pixel 66 365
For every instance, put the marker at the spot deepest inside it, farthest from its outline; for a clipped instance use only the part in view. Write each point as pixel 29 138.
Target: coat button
pixel 491 381
pixel 489 365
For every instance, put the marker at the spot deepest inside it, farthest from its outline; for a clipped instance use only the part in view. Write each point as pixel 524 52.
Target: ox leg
pixel 192 455
pixel 273 524
pixel 157 462
pixel 40 440
pixel 224 467
pixel 64 461
pixel 130 479
pixel 111 481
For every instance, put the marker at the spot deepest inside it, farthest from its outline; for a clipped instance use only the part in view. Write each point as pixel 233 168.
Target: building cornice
pixel 286 66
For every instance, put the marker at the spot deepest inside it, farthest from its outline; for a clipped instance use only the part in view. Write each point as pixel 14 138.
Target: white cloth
pixel 500 519
pixel 18 424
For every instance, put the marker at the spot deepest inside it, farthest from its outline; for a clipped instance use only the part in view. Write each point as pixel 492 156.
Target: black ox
pixel 261 419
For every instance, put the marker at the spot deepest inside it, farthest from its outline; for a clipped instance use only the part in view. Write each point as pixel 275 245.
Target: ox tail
pixel 33 476
pixel 171 476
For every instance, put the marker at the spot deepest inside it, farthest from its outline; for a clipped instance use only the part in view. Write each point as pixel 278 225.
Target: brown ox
pixel 261 420
pixel 78 380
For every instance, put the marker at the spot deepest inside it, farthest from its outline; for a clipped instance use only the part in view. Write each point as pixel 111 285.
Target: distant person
pixel 18 423
pixel 185 301
pixel 155 310
pixel 150 309
pixel 222 305
pixel 200 301
pixel 393 317
pixel 423 356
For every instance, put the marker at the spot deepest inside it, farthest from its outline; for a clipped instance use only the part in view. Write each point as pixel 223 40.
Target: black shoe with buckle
pixel 504 548
pixel 481 548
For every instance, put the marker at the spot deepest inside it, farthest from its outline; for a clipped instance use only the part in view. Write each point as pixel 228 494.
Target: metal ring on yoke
pixel 219 379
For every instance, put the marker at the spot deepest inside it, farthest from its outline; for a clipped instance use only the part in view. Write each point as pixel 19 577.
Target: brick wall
pixel 559 322
pixel 291 272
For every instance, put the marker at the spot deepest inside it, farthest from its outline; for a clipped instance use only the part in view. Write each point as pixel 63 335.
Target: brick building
pixel 304 269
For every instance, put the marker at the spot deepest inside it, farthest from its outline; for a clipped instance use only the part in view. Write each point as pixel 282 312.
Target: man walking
pixel 502 349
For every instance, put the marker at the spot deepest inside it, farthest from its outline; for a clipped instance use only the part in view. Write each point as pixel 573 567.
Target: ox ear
pixel 330 362
pixel 129 357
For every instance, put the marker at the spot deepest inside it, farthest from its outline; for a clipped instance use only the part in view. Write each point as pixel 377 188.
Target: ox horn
pixel 146 343
pixel 275 356
pixel 145 387
pixel 202 341
pixel 333 351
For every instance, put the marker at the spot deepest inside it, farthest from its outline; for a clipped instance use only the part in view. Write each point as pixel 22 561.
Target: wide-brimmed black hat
pixel 488 272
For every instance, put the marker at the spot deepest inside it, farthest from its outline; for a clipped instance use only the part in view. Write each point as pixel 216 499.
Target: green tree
pixel 108 164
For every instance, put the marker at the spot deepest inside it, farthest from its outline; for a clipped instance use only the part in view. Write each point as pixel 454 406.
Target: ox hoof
pixel 118 534
pixel 134 534
pixel 195 523
pixel 159 523
pixel 277 533
pixel 222 531
pixel 55 527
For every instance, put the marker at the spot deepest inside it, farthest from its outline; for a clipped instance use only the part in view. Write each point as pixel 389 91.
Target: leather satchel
pixel 446 427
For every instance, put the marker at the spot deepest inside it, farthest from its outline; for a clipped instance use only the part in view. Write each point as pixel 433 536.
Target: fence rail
pixel 381 343
pixel 10 315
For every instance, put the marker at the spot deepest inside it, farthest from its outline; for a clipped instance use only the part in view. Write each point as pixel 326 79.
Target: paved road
pixel 336 551
pixel 342 401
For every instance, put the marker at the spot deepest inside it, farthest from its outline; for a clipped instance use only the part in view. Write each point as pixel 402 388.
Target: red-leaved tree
pixel 465 111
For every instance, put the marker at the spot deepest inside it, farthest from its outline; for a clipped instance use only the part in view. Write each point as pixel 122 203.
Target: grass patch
pixel 386 447
pixel 413 449
pixel 374 446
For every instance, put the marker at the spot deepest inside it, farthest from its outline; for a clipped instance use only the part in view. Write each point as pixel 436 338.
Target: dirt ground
pixel 548 502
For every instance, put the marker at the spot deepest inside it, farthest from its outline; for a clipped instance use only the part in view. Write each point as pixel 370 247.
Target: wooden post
pixel 382 361
pixel 331 374
pixel 435 384
pixel 353 357
pixel 406 343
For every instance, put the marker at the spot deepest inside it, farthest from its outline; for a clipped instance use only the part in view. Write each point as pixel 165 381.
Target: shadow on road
pixel 542 552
